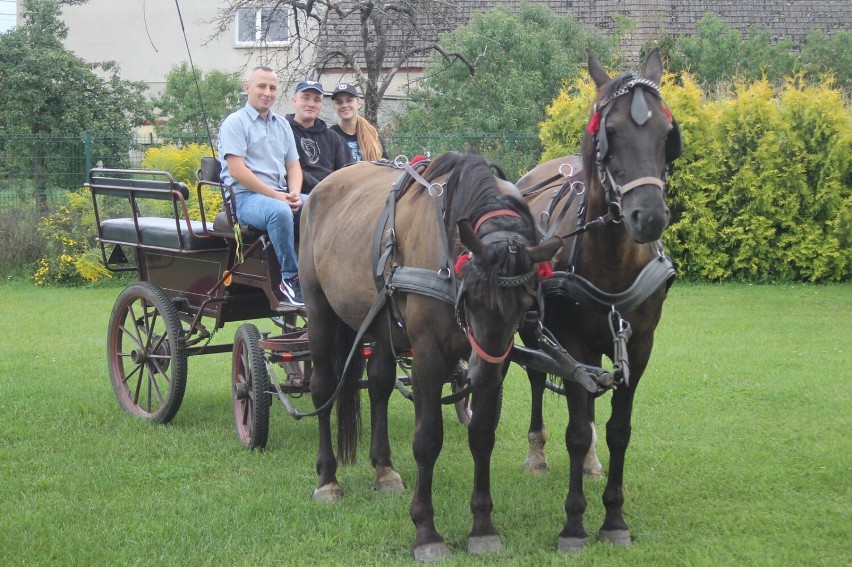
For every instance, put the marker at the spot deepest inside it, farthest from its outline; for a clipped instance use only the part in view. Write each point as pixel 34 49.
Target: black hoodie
pixel 321 151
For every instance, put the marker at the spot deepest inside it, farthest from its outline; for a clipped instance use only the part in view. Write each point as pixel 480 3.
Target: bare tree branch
pixel 372 40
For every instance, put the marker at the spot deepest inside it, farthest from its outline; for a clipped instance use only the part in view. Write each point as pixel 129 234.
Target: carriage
pixel 194 276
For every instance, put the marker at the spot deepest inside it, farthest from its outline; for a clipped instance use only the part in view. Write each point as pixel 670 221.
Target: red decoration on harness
pixel 416 159
pixel 460 262
pixel 594 123
pixel 668 113
pixel 543 270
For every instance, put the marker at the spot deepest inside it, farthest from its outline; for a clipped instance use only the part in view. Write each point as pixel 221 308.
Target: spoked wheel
pixel 146 354
pixel 250 389
pixel 458 381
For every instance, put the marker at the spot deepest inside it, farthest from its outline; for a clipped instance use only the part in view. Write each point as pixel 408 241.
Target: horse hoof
pixel 389 481
pixel 536 467
pixel 594 473
pixel 328 493
pixel 484 544
pixel 431 552
pixel 573 544
pixel 618 538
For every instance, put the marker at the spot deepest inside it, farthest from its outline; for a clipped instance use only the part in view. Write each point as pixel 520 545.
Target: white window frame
pixel 259 26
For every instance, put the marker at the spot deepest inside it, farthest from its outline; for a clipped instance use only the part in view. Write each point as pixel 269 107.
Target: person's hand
pixel 295 201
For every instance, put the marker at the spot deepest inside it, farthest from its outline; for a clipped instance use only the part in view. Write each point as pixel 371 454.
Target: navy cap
pixel 308 85
pixel 345 88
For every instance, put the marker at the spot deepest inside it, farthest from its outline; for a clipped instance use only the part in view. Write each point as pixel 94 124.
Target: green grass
pixel 741 452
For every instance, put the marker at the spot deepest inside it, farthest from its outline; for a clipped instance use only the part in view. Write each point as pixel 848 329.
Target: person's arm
pixel 294 181
pixel 246 177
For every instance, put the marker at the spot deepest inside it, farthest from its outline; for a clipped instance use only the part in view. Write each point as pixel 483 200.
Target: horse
pixel 610 279
pixel 444 265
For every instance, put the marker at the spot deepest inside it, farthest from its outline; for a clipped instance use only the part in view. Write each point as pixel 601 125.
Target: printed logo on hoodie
pixel 311 150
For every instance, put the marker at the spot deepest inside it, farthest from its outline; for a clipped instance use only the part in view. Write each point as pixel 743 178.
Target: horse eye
pixel 610 131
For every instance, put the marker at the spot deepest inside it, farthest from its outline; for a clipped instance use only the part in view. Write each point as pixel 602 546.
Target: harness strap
pixel 655 273
pixel 356 345
pixel 495 213
pixel 421 281
pixel 623 189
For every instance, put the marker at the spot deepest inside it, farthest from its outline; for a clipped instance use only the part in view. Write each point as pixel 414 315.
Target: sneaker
pixel 291 289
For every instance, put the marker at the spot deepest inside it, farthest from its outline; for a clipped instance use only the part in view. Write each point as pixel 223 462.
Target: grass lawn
pixel 741 452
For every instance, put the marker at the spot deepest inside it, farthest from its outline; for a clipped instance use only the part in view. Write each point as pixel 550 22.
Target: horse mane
pixel 470 192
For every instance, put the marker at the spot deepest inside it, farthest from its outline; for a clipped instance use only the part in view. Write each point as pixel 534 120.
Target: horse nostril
pixel 635 216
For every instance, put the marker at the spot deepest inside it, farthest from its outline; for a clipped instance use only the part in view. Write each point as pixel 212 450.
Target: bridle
pixel 513 241
pixel 640 113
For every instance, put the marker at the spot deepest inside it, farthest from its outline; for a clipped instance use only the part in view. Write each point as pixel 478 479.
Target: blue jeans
pixel 276 218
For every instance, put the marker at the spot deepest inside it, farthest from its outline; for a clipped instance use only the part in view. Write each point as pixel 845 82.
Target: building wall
pixel 145 37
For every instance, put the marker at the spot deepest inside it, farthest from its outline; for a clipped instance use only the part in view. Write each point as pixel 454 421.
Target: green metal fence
pixel 42 169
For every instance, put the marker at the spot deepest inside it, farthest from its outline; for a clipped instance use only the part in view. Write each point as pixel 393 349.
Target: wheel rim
pixel 244 402
pixel 250 389
pixel 147 365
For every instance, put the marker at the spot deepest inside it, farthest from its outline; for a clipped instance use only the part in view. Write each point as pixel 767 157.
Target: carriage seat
pixel 160 233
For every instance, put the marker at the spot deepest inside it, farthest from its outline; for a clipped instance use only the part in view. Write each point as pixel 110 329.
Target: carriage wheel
pixel 250 388
pixel 463 410
pixel 146 354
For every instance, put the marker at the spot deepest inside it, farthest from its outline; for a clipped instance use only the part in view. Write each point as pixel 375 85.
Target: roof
pixel 785 18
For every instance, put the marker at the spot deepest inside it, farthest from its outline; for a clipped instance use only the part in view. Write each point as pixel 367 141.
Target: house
pixel 146 36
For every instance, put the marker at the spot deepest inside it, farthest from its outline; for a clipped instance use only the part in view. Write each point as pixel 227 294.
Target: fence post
pixel 511 140
pixel 87 142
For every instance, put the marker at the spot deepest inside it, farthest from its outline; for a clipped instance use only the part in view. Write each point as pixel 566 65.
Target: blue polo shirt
pixel 267 145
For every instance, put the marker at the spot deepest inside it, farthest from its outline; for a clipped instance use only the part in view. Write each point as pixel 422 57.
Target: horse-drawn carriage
pixel 194 277
pixel 442 261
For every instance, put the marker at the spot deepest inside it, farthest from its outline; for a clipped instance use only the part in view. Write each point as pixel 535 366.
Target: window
pixel 261 26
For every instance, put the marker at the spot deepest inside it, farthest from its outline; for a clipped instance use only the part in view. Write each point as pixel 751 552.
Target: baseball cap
pixel 309 84
pixel 345 88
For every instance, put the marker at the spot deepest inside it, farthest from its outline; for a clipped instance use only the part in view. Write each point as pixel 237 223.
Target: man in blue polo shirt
pixel 261 164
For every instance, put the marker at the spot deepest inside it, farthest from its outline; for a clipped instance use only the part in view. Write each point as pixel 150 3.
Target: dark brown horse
pixel 611 277
pixel 389 261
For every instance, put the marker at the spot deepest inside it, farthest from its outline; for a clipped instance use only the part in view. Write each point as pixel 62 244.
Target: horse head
pixel 629 141
pixel 499 273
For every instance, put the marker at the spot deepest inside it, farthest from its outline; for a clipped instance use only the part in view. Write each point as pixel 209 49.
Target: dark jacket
pixel 321 151
pixel 352 142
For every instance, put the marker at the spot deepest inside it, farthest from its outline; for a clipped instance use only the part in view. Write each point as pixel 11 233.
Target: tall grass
pixel 741 452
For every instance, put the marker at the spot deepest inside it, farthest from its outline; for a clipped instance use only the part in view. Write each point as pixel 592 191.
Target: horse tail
pixel 349 401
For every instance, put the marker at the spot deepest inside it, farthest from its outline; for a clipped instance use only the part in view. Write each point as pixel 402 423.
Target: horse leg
pixel 323 380
pixel 618 430
pixel 592 467
pixel 578 439
pixel 536 461
pixel 381 369
pixel 483 537
pixel 428 375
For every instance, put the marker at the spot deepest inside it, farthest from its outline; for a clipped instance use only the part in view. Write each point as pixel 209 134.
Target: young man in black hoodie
pixel 321 150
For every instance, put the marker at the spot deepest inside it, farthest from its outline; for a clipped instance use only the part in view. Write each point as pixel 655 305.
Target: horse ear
pixel 597 72
pixel 546 250
pixel 468 236
pixel 652 67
